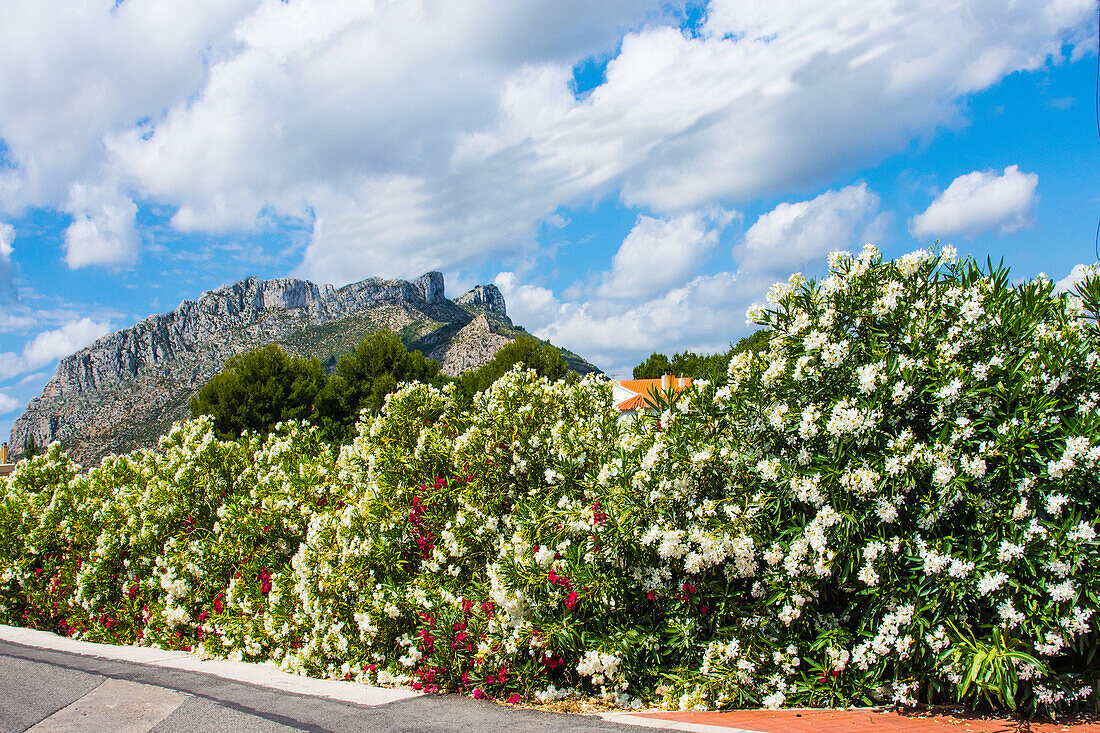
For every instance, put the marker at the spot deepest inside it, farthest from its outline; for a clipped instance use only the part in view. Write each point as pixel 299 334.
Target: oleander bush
pixel 895 501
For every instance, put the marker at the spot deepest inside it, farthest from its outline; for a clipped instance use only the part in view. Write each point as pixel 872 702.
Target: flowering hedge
pixel 895 502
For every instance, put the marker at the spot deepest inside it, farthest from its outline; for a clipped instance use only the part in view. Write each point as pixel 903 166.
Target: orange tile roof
pixel 642 388
pixel 637 402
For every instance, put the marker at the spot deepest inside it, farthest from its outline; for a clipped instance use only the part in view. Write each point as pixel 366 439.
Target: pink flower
pixel 571 601
pixel 264 576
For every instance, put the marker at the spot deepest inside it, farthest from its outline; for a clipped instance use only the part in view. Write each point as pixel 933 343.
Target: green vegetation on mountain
pixel 261 388
pixel 364 377
pixel 546 360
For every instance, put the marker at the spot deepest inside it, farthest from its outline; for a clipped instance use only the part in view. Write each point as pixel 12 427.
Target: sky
pixel 632 174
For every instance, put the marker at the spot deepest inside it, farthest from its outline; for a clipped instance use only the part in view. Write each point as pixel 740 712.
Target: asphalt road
pixel 45 690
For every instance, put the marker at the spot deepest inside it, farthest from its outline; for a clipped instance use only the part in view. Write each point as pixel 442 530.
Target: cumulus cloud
pixel 704 314
pixel 8 404
pixel 434 134
pixel 635 312
pixel 50 345
pixel 979 202
pixel 531 305
pixel 102 231
pixel 660 253
pixel 76 74
pixel 725 115
pixel 793 234
pixel 8 292
pixel 326 121
pixel 1076 275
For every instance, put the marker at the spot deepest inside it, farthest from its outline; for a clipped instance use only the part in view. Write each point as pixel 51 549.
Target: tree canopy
pixel 542 357
pixel 690 364
pixel 259 389
pixel 364 377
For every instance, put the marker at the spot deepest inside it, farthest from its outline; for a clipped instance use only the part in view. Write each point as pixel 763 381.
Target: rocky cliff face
pixel 488 297
pixel 472 346
pixel 126 389
pixel 168 338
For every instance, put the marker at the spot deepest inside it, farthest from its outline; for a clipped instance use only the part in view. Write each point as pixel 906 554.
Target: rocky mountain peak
pixel 488 297
pixel 430 287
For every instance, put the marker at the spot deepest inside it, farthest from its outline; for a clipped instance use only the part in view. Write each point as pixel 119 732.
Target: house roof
pixel 642 388
pixel 637 402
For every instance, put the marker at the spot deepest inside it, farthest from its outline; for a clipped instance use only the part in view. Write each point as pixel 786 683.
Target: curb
pixel 262 674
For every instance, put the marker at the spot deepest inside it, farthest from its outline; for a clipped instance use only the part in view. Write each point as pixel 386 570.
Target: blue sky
pixel 632 174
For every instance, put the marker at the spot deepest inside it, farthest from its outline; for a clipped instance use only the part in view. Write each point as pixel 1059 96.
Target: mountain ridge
pixel 125 389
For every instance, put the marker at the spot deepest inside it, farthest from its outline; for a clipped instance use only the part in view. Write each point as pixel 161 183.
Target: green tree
pixel 30 447
pixel 656 366
pixel 690 364
pixel 258 389
pixel 364 377
pixel 756 341
pixel 540 356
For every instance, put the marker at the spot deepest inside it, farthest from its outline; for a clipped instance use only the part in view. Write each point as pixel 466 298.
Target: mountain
pixel 127 388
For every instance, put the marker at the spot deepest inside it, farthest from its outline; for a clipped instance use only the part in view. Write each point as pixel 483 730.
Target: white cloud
pixel 689 120
pixel 979 202
pixel 50 345
pixel 20 318
pixel 316 116
pixel 531 306
pixel 102 231
pixel 1076 275
pixel 661 253
pixel 793 234
pixel 704 315
pixel 76 72
pixel 34 377
pixel 433 134
pixel 8 404
pixel 8 292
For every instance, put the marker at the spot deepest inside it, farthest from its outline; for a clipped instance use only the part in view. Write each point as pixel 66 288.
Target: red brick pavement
pixel 866 721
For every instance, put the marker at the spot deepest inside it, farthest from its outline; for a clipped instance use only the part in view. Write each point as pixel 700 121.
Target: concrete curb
pixel 265 675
